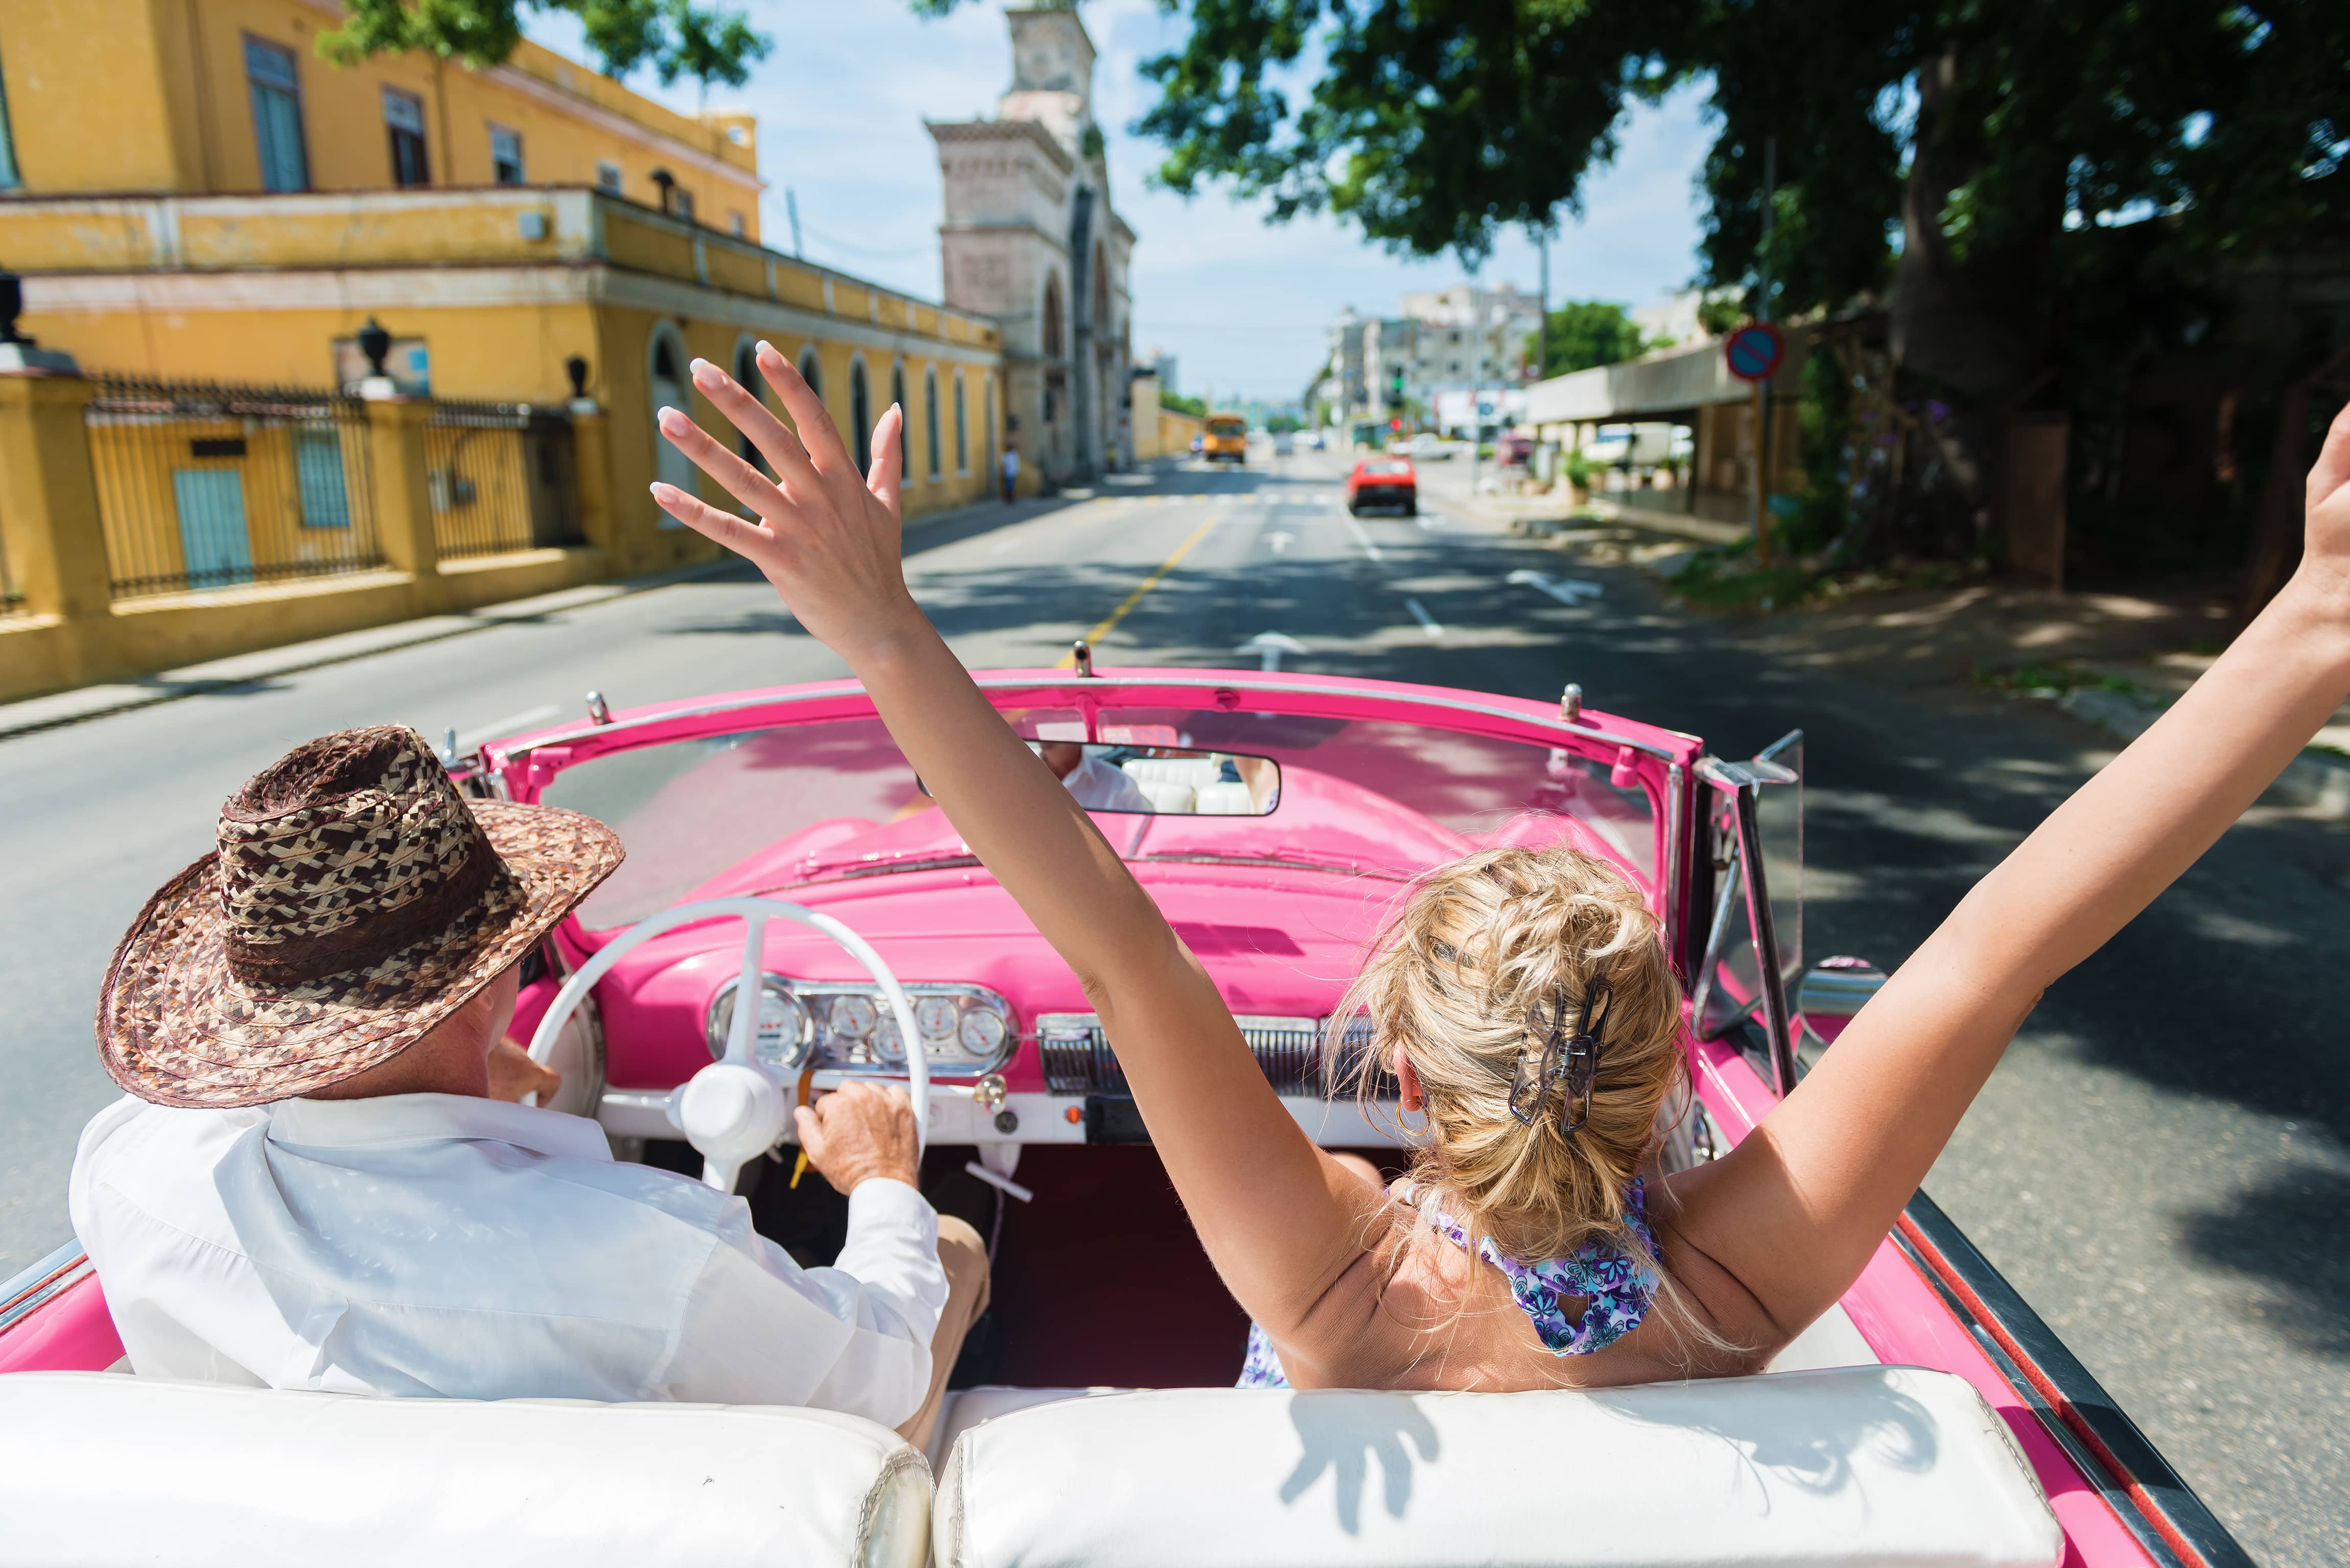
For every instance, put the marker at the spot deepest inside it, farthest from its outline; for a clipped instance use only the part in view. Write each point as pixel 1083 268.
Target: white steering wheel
pixel 735 1109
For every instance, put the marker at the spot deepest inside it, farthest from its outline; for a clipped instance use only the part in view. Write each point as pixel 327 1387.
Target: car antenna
pixel 1084 653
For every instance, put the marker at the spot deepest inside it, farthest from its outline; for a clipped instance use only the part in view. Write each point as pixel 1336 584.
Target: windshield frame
pixel 1662 759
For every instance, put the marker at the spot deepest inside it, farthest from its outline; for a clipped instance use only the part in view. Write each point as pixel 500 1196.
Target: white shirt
pixel 443 1245
pixel 1101 787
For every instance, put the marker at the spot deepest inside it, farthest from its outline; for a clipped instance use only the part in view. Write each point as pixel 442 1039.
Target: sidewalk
pixel 2113 660
pixel 81 702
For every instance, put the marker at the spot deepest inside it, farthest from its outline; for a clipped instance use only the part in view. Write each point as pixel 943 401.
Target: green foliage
pixel 1578 469
pixel 1585 333
pixel 1824 407
pixel 675 37
pixel 1196 406
pixel 1283 424
pixel 1723 581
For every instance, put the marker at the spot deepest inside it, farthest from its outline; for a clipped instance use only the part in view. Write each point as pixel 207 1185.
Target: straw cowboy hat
pixel 356 900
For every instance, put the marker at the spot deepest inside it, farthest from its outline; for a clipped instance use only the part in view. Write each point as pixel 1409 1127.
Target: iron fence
pixel 501 478
pixel 210 485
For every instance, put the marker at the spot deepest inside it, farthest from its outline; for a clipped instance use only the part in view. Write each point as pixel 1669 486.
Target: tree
pixel 675 37
pixel 1196 406
pixel 1932 156
pixel 1583 333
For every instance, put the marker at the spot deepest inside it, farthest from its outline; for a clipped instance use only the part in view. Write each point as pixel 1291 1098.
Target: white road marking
pixel 1269 645
pixel 1363 539
pixel 1280 541
pixel 499 729
pixel 1427 622
pixel 1565 590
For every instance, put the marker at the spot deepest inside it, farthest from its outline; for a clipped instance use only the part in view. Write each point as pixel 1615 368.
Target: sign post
pixel 1753 354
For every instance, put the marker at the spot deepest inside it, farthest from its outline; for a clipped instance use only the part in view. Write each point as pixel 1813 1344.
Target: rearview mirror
pixel 1161 780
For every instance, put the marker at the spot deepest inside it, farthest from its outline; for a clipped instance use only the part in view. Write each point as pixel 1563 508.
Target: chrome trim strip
pixel 1101 682
pixel 1676 892
pixel 2151 1497
pixel 44 1282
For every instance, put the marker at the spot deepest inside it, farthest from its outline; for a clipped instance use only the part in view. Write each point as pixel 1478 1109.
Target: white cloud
pixel 1242 303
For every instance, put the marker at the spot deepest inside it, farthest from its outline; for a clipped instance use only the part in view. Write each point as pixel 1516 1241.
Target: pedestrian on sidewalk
pixel 1011 472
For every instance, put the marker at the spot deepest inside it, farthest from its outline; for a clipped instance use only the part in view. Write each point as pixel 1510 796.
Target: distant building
pixel 1351 393
pixel 1161 364
pixel 1030 238
pixel 1675 320
pixel 1445 341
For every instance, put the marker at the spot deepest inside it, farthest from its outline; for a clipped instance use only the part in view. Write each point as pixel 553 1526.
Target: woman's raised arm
pixel 1279 1219
pixel 1796 1209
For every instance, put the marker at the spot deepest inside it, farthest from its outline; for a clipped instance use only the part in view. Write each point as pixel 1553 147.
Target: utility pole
pixel 1541 308
pixel 792 206
pixel 1763 388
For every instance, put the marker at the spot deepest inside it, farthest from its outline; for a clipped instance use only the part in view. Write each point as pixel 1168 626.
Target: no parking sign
pixel 1754 351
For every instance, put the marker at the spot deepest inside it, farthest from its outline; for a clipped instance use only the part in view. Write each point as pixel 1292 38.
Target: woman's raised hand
pixel 2327 541
pixel 827 536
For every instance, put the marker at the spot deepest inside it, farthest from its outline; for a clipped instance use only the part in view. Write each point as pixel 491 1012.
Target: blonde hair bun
pixel 1480 945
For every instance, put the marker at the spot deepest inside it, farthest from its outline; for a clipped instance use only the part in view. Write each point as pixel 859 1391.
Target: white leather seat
pixel 102 1469
pixel 1884 1466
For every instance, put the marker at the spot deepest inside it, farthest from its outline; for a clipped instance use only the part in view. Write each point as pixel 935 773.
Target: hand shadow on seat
pixel 1340 1431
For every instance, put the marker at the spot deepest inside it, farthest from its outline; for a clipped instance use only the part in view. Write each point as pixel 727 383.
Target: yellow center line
pixel 1069 659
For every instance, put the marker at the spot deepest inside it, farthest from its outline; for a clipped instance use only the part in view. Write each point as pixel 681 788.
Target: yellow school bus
pixel 1227 438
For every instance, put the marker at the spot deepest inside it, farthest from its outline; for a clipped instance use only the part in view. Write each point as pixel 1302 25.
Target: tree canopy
pixel 1581 334
pixel 1937 158
pixel 675 37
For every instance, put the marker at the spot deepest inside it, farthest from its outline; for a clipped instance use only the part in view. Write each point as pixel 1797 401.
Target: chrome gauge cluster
pixel 966 1030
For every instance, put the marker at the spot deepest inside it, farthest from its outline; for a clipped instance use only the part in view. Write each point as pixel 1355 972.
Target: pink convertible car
pixel 795 912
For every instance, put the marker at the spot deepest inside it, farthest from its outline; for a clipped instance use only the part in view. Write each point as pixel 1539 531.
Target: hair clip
pixel 1571 1064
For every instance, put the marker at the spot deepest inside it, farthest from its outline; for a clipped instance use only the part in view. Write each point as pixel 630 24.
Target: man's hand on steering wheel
pixel 859 1131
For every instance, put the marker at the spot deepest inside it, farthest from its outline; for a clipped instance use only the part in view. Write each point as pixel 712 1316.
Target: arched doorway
pixel 668 387
pixel 860 416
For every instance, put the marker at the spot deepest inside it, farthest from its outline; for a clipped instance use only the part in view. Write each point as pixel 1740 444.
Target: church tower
pixel 1031 239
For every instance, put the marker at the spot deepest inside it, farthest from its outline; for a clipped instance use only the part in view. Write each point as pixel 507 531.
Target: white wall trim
pixel 400 289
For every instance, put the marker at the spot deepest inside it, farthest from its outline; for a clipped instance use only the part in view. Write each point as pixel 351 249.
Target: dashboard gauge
pixel 853 1017
pixel 983 1032
pixel 935 1017
pixel 889 1047
pixel 782 1034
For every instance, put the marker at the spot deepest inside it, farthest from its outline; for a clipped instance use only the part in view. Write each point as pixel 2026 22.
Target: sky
pixel 1243 304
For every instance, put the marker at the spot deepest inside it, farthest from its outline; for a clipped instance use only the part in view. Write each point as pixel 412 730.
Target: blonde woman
pixel 1523 998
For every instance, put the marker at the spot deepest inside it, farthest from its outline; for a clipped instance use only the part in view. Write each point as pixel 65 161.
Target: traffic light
pixel 1395 388
pixel 1395 426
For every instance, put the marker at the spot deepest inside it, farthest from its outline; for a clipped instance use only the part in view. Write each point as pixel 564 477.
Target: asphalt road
pixel 2158 1165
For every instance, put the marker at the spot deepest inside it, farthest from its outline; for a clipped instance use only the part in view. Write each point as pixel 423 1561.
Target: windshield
pixel 765 810
pixel 1225 426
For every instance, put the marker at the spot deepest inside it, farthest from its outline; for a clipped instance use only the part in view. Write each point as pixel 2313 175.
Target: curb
pixel 74 706
pixel 2313 780
pixel 80 703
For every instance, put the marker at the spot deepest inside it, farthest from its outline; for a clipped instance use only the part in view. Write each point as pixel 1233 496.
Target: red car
pixel 1383 482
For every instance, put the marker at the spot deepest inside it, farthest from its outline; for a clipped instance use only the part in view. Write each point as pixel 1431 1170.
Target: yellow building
pixel 205 198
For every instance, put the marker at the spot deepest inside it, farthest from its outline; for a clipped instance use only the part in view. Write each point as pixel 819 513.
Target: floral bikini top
pixel 1615 1290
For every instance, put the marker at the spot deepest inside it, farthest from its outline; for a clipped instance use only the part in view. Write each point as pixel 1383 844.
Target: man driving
pixel 1098 786
pixel 315 1188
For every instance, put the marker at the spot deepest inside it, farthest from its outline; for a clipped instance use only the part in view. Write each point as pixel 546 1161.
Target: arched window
pixel 812 371
pixel 931 417
pixel 963 434
pixel 746 370
pixel 898 396
pixel 1053 316
pixel 860 416
pixel 665 360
